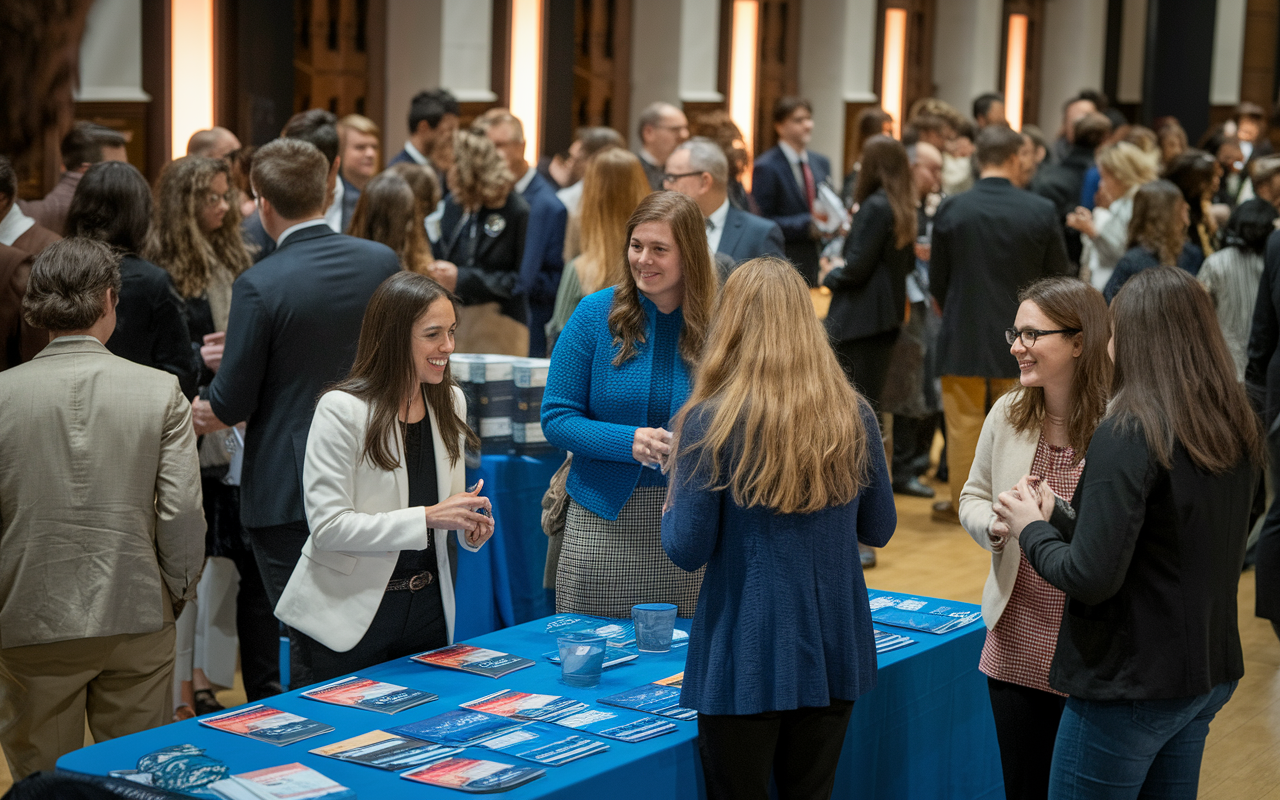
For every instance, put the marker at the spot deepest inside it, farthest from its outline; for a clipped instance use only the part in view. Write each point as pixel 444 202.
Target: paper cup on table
pixel 654 623
pixel 581 659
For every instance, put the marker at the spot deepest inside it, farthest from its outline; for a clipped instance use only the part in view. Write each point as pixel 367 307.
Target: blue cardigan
pixel 592 408
pixel 783 620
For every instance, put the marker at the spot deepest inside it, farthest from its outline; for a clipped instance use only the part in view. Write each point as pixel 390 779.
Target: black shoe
pixel 914 488
pixel 207 702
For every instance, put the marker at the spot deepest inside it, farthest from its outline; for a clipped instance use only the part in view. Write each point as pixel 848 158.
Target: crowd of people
pixel 229 395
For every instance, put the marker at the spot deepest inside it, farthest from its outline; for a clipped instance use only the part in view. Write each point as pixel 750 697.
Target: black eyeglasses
pixel 670 178
pixel 1029 335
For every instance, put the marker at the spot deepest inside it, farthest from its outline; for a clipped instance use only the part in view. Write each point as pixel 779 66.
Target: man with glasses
pixel 662 128
pixel 987 243
pixel 698 168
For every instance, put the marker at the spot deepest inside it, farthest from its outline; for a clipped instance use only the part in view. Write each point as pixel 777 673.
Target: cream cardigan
pixel 1003 457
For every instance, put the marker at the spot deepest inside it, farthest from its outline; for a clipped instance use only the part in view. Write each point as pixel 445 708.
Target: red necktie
pixel 809 188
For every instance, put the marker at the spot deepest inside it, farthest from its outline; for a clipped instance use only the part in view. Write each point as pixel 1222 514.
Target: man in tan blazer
pixel 101 521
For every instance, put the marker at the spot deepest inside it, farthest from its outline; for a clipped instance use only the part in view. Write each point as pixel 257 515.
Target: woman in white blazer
pixel 383 485
pixel 1042 429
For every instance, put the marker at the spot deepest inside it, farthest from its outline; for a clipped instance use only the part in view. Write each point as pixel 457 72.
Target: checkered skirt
pixel 606 566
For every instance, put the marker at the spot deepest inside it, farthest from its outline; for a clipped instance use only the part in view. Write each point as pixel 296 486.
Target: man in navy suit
pixel 785 179
pixel 294 324
pixel 543 258
pixel 433 120
pixel 698 168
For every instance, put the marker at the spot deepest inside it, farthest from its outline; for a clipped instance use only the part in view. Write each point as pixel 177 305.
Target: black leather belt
pixel 412 584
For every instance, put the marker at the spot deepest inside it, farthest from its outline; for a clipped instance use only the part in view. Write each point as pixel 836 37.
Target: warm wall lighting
pixel 526 71
pixel 192 70
pixel 742 74
pixel 1015 69
pixel 893 68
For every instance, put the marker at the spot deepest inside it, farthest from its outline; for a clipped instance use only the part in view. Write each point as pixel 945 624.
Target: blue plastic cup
pixel 581 659
pixel 654 623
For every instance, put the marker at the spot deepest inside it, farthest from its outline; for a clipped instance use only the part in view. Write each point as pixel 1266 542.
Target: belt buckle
pixel 420 581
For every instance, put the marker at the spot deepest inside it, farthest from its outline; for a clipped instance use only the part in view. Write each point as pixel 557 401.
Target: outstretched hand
pixel 461 513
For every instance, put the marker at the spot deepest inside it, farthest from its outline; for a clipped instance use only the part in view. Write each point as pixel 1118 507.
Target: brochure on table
pixel 543 744
pixel 474 775
pixel 266 724
pixel 617 632
pixel 886 641
pixel 460 727
pixel 652 698
pixel 386 750
pixel 624 726
pixel 372 695
pixel 287 782
pixel 919 613
pixel 476 660
pixel 613 656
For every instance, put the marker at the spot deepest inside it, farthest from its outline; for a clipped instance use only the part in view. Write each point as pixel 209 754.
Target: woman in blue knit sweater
pixel 619 372
pixel 778 474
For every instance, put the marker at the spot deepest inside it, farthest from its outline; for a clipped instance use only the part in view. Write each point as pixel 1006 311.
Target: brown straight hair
pixel 1156 224
pixel 885 166
pixel 383 374
pixel 388 211
pixel 627 318
pixel 783 428
pixel 1071 303
pixel 1174 377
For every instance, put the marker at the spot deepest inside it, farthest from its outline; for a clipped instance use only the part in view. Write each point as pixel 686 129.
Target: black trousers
pixel 406 624
pixel 801 748
pixel 912 441
pixel 866 363
pixel 1026 728
pixel 1267 559
pixel 277 549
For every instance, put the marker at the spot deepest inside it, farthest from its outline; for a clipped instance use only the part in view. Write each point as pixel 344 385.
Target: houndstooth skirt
pixel 606 567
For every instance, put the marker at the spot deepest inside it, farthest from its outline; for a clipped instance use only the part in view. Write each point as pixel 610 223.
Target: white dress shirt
pixel 414 154
pixel 715 226
pixel 333 214
pixel 525 180
pixel 795 159
pixel 14 224
pixel 311 223
pixel 571 196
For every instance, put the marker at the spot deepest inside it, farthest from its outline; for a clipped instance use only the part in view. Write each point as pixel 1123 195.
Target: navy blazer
pixel 746 236
pixel 151 329
pixel 350 196
pixel 403 157
pixel 260 242
pixel 295 321
pixel 543 260
pixel 869 293
pixel 494 275
pixel 780 198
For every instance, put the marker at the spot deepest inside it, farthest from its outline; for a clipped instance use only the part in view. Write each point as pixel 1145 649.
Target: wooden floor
pixel 1242 756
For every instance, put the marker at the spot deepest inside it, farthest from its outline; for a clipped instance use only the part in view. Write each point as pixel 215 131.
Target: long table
pixel 924 732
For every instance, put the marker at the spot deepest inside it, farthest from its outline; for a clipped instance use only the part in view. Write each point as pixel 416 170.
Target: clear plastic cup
pixel 581 659
pixel 654 623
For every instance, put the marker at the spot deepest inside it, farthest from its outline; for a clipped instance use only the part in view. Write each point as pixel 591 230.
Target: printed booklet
pixel 476 660
pixel 474 775
pixel 456 727
pixel 652 698
pixel 544 744
pixel 886 641
pixel 565 711
pixel 613 656
pixel 919 613
pixel 617 632
pixel 384 750
pixel 288 782
pixel 267 724
pixel 370 694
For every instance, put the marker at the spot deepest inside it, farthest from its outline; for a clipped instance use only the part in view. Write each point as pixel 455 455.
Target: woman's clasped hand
pixel 1030 501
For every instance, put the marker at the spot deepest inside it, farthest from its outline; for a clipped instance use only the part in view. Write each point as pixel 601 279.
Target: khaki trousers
pixel 124 683
pixel 485 329
pixel 965 403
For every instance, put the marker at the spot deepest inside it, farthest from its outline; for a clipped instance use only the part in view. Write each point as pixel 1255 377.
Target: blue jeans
pixel 1133 749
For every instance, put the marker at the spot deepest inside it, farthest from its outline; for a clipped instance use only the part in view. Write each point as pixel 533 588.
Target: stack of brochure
pixel 570 713
pixel 386 750
pixel 288 782
pixel 660 697
pixel 369 694
pixel 266 724
pixel 919 613
pixel 543 744
pixel 476 660
pixel 886 641
pixel 617 632
pixel 460 727
pixel 474 775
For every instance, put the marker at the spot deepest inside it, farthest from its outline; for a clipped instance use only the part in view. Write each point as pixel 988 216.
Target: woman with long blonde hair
pixel 1123 168
pixel 778 475
pixel 619 374
pixel 611 189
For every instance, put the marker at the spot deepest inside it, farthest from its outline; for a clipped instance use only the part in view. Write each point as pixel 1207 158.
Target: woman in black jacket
pixel 1150 551
pixel 869 293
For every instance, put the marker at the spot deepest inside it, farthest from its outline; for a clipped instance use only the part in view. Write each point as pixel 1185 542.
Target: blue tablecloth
pixel 501 585
pixel 925 732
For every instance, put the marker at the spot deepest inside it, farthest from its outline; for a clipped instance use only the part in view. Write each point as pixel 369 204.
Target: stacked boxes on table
pixel 504 401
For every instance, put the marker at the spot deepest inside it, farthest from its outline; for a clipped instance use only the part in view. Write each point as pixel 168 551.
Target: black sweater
pixel 1150 569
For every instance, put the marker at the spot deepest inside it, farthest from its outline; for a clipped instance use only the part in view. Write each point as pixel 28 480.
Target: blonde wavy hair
pixel 783 426
pixel 627 319
pixel 612 188
pixel 176 242
pixel 479 177
pixel 1129 164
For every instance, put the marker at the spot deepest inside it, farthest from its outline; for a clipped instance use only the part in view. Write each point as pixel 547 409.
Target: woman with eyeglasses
pixel 1042 428
pixel 1149 551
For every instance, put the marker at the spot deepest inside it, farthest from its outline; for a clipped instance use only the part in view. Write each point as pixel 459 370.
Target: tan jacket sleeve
pixel 180 523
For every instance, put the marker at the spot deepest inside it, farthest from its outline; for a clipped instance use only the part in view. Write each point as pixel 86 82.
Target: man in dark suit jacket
pixel 988 243
pixel 784 183
pixel 433 120
pixel 1061 183
pixel 698 168
pixel 662 127
pixel 1262 377
pixel 294 324
pixel 543 258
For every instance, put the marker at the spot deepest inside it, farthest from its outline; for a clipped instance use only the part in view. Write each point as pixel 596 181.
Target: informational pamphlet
pixel 886 641
pixel 510 703
pixel 613 656
pixel 474 775
pixel 676 680
pixel 458 727
pixel 652 698
pixel 567 712
pixel 385 750
pixel 266 724
pixel 370 694
pixel 617 632
pixel 919 613
pixel 544 744
pixel 476 660
pixel 288 782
